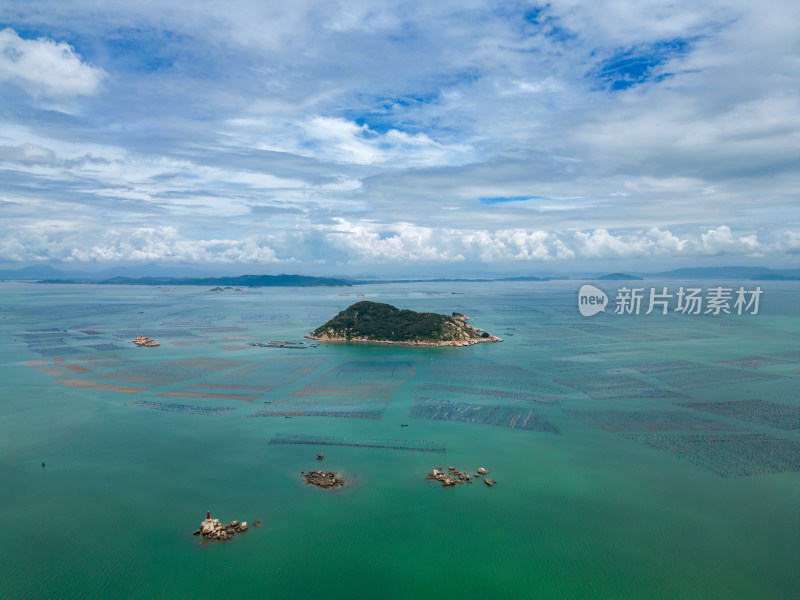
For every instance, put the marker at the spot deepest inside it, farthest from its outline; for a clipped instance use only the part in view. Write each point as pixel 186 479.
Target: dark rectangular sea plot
pixel 754 362
pixel 319 440
pixel 607 387
pixel 374 414
pixel 58 351
pixel 172 371
pixel 355 406
pixel 105 347
pixel 483 374
pixel 729 455
pixel 212 411
pixel 100 362
pixel 687 380
pixel 668 367
pixel 264 318
pixel 763 412
pixel 502 416
pixel 640 420
pixel 540 394
pixel 218 395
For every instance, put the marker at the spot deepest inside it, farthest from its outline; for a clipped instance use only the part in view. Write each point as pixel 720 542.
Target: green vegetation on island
pixel 376 322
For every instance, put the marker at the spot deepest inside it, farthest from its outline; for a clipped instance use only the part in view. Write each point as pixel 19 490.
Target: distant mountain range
pixel 752 273
pixel 150 275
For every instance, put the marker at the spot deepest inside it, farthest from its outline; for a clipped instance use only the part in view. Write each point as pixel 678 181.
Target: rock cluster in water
pixel 214 530
pixel 145 341
pixel 453 476
pixel 323 479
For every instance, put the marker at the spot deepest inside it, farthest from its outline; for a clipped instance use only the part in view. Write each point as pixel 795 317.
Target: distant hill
pixel 38 272
pixel 751 273
pixel 376 322
pixel 619 277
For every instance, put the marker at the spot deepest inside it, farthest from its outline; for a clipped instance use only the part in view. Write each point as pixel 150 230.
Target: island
pixel 375 322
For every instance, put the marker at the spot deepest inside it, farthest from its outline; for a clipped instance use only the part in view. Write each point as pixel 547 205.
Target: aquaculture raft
pixel 319 440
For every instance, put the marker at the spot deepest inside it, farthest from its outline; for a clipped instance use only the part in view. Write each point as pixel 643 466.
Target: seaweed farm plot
pixel 270 373
pixel 171 372
pixel 319 440
pixel 541 395
pixel 96 385
pixel 681 366
pixel 220 395
pixel 502 416
pixel 84 363
pixel 638 420
pixel 360 378
pixel 264 318
pixel 729 455
pixel 312 411
pixel 616 386
pixel 357 407
pixel 212 411
pixel 763 412
pixel 484 374
pixel 687 380
pixel 100 362
pixel 755 362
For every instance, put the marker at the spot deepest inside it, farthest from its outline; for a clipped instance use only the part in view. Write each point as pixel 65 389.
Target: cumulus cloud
pixel 406 242
pixel 46 67
pixel 137 245
pixel 723 241
pixel 364 242
pixel 344 242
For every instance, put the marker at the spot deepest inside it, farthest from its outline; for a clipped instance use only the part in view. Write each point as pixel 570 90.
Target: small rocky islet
pixel 214 529
pixel 146 342
pixel 453 476
pixel 324 479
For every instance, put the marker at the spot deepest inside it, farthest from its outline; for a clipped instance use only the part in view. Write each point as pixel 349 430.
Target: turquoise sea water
pixel 624 487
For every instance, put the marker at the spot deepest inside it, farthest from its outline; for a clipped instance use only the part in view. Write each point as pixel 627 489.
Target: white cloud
pixel 363 242
pixel 722 241
pixel 45 67
pixel 139 245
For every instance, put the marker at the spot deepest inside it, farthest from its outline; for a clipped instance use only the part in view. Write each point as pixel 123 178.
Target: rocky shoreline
pixel 471 342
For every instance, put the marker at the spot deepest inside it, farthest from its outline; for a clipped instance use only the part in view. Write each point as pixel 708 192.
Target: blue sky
pixel 414 138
